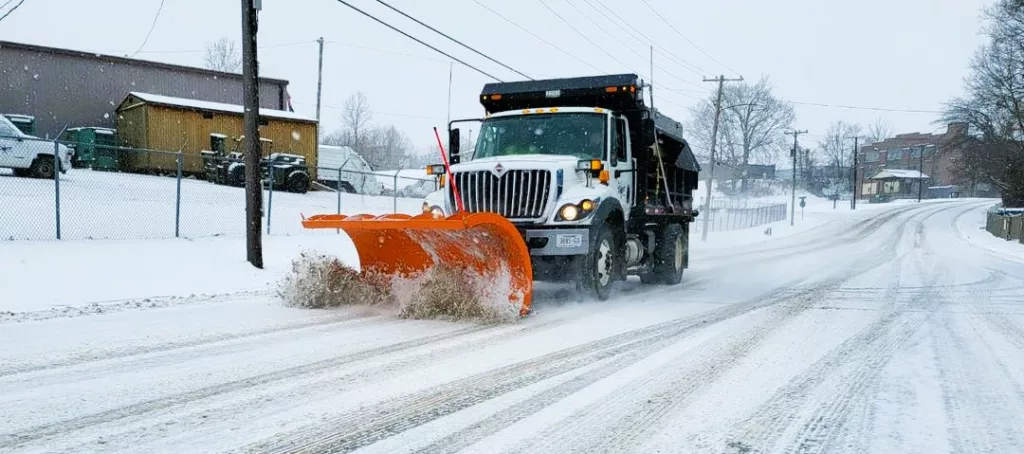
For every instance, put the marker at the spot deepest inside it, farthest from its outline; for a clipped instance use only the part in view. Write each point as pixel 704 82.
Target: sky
pixel 878 54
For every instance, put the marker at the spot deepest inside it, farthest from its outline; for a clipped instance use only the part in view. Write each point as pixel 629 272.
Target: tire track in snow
pixel 695 373
pixel 330 383
pixel 139 408
pixel 383 420
pixel 411 411
pixel 636 426
pixel 868 352
pixel 132 351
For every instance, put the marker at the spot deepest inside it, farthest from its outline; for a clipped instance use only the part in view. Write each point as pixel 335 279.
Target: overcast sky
pixel 891 54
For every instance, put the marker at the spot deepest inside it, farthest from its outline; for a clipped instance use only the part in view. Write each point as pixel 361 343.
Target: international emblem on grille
pixel 499 170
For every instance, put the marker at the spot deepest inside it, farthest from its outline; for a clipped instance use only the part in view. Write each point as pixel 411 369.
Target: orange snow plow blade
pixel 402 245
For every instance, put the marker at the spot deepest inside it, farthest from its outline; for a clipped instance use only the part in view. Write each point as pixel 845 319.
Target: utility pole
pixel 451 68
pixel 319 77
pixel 251 116
pixel 711 160
pixel 853 172
pixel 796 156
pixel 920 171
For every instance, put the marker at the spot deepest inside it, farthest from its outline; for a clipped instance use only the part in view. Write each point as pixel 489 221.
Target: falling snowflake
pixel 106 116
pixel 296 136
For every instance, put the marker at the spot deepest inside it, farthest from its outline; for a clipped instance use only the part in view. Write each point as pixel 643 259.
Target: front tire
pixel 598 270
pixel 670 252
pixel 298 182
pixel 43 167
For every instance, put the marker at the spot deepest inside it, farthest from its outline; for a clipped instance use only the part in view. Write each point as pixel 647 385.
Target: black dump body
pixel 621 93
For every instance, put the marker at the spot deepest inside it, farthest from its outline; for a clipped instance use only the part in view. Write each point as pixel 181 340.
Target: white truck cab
pixel 30 156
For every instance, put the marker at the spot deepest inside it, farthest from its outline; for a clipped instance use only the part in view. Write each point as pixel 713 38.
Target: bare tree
pixel 355 119
pixel 223 55
pixel 878 131
pixel 993 108
pixel 837 147
pixel 756 121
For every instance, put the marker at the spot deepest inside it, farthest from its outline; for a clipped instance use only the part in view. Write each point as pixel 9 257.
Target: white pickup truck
pixel 29 156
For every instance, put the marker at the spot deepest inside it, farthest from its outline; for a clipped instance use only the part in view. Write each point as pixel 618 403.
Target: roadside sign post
pixel 803 203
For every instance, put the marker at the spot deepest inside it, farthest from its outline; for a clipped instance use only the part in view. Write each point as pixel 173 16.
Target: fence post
pixel 177 199
pixel 270 198
pixel 394 195
pixel 56 183
pixel 337 189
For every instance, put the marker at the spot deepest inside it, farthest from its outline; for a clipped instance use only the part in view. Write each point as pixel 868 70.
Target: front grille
pixel 516 195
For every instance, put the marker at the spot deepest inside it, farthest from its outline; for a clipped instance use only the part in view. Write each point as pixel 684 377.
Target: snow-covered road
pixel 889 331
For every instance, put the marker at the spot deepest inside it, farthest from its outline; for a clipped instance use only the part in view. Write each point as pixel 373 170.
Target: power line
pixel 578 32
pixel 520 27
pixel 382 2
pixel 878 109
pixel 343 2
pixel 645 39
pixel 8 13
pixel 151 27
pixel 681 35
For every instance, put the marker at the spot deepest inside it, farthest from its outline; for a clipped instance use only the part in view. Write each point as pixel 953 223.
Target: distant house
pixel 168 124
pixel 62 87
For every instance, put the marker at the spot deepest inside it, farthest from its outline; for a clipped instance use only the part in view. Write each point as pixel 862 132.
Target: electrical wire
pixel 645 39
pixel 549 43
pixel 877 109
pixel 392 27
pixel 8 13
pixel 681 35
pixel 578 32
pixel 382 2
pixel 151 28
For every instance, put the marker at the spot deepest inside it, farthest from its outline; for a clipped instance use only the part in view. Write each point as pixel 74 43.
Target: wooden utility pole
pixel 319 76
pixel 796 155
pixel 252 154
pixel 711 160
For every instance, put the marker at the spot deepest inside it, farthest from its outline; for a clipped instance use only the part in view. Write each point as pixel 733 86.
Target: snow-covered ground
pixel 889 329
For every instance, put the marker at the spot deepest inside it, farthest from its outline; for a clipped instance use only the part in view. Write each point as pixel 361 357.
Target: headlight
pixel 426 207
pixel 576 211
pixel 437 211
pixel 569 212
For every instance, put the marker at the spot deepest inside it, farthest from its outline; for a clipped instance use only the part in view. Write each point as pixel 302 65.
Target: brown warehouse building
pixel 62 87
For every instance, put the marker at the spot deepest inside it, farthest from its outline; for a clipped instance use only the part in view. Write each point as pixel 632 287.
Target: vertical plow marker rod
pixel 401 246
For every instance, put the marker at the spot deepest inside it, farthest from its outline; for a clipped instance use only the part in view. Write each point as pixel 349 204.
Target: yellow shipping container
pixel 164 125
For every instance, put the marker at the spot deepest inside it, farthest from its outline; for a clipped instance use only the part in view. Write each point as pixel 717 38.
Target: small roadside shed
pixel 895 183
pixel 166 124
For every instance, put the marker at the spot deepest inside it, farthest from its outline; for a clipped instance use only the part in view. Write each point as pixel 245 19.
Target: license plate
pixel 569 240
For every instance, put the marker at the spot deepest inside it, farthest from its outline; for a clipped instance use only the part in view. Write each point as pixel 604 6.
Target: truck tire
pixel 598 269
pixel 670 250
pixel 42 167
pixel 298 182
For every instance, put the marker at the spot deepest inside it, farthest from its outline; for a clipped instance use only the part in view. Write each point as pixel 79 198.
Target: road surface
pixel 885 333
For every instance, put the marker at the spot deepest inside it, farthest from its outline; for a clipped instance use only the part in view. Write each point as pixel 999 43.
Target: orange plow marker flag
pixel 400 245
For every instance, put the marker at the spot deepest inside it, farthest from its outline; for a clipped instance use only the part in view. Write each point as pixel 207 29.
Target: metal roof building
pixel 62 87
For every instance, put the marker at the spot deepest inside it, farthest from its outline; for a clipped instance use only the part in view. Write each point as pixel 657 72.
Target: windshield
pixel 570 134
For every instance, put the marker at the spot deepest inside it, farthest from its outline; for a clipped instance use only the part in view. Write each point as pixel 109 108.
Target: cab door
pixel 622 166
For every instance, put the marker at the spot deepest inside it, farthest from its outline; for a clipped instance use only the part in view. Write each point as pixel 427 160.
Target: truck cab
pixel 598 184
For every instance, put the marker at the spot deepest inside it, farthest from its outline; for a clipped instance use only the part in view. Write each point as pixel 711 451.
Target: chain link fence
pixel 1007 224
pixel 112 192
pixel 737 214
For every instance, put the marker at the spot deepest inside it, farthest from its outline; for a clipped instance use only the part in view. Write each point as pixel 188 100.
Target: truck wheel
pixel 42 167
pixel 598 270
pixel 298 183
pixel 670 251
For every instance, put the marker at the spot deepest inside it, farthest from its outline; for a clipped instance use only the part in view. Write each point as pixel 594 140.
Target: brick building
pixel 930 154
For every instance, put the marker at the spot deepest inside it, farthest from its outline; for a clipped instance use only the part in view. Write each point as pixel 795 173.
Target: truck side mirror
pixel 453 146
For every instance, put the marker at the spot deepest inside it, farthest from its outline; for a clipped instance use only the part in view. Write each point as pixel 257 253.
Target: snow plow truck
pixel 571 180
